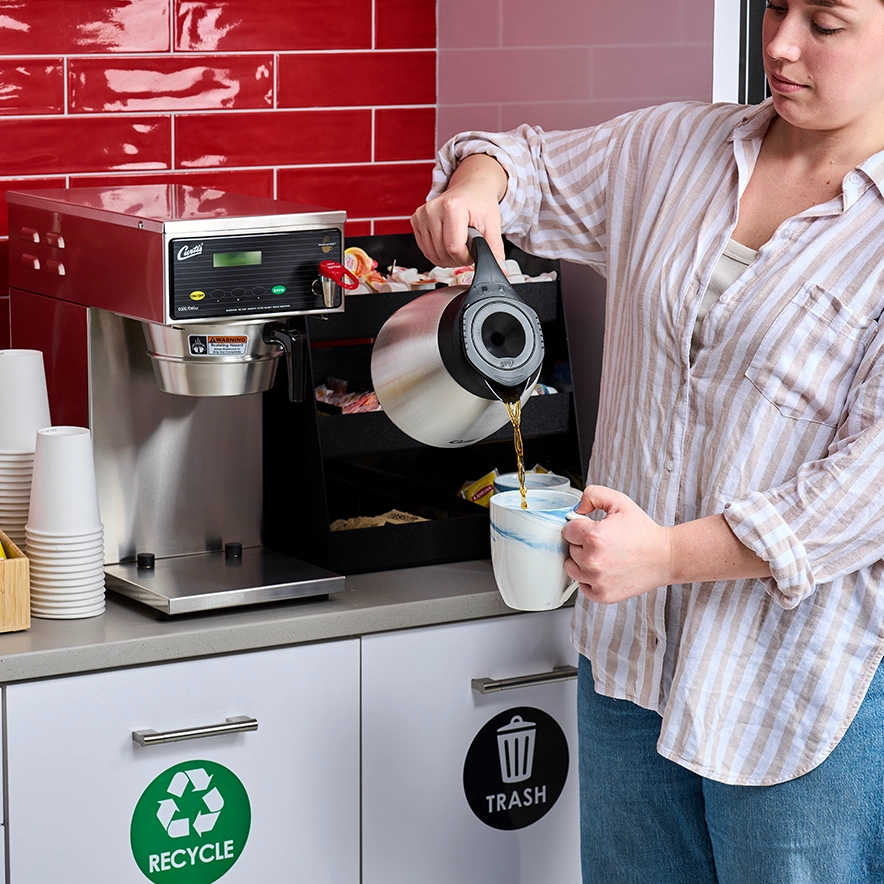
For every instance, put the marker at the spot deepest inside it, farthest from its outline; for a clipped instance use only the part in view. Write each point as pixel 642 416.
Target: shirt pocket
pixel 807 360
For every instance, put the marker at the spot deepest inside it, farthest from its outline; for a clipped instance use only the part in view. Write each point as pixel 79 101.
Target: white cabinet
pixel 87 804
pixel 460 786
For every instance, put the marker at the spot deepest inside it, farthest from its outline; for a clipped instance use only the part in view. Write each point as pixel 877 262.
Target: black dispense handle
pixel 489 280
pixel 295 345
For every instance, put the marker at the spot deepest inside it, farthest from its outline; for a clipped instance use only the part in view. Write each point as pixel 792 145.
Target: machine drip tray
pixel 201 582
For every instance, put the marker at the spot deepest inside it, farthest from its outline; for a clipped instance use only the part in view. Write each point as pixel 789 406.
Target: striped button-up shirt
pixel 778 422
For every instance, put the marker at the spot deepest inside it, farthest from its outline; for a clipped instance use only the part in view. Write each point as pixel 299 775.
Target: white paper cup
pixel 22 470
pixel 68 613
pixel 15 500
pixel 67 537
pixel 24 403
pixel 539 481
pixel 64 496
pixel 49 547
pixel 527 550
pixel 78 597
pixel 92 571
pixel 64 566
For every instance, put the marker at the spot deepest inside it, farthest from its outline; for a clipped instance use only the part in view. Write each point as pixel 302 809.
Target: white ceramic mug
pixel 527 550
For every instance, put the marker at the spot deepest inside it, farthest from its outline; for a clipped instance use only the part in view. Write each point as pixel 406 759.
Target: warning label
pixel 218 345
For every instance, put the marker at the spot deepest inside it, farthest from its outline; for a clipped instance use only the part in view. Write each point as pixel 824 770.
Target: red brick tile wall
pixel 331 103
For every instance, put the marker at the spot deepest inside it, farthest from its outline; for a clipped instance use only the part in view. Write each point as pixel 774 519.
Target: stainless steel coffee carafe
pixel 444 364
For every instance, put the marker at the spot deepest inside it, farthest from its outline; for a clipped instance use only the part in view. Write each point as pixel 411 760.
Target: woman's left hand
pixel 623 555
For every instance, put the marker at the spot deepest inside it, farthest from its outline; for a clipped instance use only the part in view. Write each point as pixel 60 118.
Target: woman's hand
pixel 623 555
pixel 627 553
pixel 471 200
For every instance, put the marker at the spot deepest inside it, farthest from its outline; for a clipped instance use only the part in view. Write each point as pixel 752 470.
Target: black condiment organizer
pixel 320 466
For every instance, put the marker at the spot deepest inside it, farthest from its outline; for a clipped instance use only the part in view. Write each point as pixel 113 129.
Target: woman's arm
pixel 627 553
pixel 471 199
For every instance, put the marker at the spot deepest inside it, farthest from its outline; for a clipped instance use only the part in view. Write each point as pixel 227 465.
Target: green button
pixel 278 290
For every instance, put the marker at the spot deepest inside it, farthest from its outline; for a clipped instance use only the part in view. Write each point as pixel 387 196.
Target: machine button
pixel 56 240
pixel 217 294
pixel 278 290
pixel 258 290
pixel 197 295
pixel 28 234
pixel 31 261
pixel 55 267
pixel 238 293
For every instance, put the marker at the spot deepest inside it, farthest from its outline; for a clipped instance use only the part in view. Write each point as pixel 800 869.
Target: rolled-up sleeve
pixel 556 202
pixel 828 521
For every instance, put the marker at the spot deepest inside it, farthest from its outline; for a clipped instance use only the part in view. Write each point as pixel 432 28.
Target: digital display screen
pixel 235 259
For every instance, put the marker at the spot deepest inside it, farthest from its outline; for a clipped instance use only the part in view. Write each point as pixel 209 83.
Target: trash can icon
pixel 515 746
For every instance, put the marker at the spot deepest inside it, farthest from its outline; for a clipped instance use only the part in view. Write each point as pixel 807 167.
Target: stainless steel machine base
pixel 204 581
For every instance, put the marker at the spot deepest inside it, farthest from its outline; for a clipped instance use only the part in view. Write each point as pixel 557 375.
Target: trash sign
pixel 190 824
pixel 516 768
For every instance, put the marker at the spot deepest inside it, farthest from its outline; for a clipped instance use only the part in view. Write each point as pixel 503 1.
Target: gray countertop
pixel 130 634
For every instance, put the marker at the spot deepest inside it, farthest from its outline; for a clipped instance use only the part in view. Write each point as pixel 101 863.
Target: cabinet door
pixel 87 804
pixel 460 786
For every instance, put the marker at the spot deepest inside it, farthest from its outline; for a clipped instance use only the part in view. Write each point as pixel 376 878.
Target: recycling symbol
pixel 191 823
pixel 199 781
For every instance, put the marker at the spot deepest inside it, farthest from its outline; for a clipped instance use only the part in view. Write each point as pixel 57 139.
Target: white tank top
pixel 735 259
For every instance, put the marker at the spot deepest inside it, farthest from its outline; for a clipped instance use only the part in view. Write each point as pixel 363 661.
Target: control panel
pixel 252 274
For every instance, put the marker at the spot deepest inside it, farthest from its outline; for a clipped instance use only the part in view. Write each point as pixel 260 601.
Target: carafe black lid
pixel 501 335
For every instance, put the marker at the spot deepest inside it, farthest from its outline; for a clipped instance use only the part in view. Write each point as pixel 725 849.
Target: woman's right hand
pixel 471 200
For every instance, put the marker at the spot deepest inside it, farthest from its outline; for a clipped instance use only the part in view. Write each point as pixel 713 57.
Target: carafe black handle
pixel 489 280
pixel 295 345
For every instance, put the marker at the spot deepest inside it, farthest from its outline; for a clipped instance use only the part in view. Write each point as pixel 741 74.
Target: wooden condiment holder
pixel 15 598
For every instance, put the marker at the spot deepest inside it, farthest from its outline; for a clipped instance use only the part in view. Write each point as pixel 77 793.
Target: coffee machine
pixel 163 312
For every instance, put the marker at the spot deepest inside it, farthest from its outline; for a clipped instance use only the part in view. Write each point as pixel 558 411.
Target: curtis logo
pixel 186 252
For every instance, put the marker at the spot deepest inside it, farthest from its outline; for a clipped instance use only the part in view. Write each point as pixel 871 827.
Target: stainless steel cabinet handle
pixel 238 724
pixel 490 685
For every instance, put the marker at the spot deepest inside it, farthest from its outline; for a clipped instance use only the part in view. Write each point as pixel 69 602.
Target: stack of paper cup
pixel 24 409
pixel 64 537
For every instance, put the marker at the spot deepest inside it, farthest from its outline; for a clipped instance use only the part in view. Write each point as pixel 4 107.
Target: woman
pixel 731 614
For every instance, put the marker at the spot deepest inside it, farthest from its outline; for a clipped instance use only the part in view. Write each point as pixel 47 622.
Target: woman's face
pixel 824 61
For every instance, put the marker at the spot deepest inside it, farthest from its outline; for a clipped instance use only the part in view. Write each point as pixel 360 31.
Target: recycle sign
pixel 190 824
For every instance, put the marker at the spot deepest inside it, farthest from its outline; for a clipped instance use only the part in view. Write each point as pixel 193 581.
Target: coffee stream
pixel 514 410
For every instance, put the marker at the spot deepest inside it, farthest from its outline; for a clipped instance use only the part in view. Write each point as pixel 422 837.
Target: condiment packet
pixel 480 490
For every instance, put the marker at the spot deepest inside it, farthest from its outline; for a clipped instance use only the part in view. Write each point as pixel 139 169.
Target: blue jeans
pixel 646 820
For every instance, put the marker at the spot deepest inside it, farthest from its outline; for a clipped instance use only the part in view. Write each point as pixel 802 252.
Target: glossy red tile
pixel 360 78
pixel 357 228
pixel 31 86
pixel 393 225
pixel 21 184
pixel 65 353
pixel 250 182
pixel 4 278
pixel 53 27
pixel 267 139
pixel 407 133
pixel 365 191
pixel 84 144
pixel 255 25
pixel 622 72
pixel 170 83
pixel 486 76
pixel 406 24
pixel 5 341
